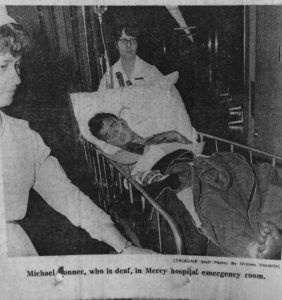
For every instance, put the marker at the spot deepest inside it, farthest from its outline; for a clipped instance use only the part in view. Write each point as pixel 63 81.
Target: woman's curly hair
pixel 14 39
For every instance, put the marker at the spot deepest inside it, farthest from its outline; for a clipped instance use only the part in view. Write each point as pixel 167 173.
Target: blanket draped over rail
pixel 232 197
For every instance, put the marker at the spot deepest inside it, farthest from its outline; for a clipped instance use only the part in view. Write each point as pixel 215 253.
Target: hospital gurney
pixel 114 184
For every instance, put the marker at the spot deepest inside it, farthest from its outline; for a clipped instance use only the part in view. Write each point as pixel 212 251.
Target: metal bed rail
pixel 113 183
pixel 252 153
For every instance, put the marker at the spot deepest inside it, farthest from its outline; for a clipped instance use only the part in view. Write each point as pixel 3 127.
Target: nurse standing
pixel 130 68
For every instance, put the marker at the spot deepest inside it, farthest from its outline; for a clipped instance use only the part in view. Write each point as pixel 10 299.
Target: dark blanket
pixel 232 197
pixel 178 165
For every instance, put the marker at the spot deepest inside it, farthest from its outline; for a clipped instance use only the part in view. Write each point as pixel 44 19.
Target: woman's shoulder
pixel 18 131
pixel 117 65
pixel 143 63
pixel 151 72
pixel 19 128
pixel 15 122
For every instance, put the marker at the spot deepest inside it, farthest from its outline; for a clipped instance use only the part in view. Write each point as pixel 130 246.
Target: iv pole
pixel 99 10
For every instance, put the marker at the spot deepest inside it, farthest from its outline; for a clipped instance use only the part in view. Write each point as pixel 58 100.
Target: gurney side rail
pixel 104 177
pixel 251 151
pixel 109 179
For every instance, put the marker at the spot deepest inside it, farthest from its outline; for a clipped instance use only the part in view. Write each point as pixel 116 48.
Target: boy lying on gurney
pixel 237 206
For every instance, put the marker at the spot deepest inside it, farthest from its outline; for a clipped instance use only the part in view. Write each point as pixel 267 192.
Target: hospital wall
pixel 268 81
pixel 210 67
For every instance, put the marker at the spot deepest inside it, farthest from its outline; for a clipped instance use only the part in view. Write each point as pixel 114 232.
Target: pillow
pixel 143 106
pixel 148 109
pixel 86 105
pixel 156 109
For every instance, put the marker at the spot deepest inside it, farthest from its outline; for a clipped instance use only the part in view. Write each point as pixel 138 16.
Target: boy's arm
pixel 167 137
pixel 124 157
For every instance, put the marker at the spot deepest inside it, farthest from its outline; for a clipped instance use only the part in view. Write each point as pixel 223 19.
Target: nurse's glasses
pixel 132 41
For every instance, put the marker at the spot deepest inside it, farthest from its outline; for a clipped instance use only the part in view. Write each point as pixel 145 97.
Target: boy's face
pixel 116 132
pixel 9 77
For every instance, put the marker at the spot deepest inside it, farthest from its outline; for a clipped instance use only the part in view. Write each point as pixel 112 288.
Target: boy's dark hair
pixel 14 39
pixel 96 123
pixel 130 29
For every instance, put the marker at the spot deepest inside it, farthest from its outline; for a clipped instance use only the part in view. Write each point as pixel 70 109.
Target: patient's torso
pixel 154 153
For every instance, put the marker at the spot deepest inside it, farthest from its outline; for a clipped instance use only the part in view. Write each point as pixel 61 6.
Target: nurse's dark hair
pixel 131 29
pixel 14 39
pixel 96 123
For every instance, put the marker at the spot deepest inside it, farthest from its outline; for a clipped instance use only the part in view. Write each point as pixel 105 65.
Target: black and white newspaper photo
pixel 140 150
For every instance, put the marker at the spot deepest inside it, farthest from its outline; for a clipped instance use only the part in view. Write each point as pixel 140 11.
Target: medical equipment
pixel 100 10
